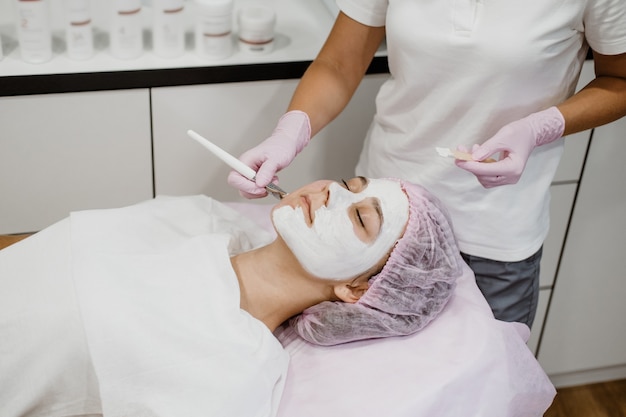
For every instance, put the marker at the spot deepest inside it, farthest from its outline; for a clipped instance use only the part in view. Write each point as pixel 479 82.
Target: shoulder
pixel 367 12
pixel 605 25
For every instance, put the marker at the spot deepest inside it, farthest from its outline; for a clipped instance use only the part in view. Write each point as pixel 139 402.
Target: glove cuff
pixel 548 125
pixel 295 124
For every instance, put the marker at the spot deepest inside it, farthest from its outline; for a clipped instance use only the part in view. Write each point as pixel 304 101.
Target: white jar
pixel 168 31
pixel 213 28
pixel 79 29
pixel 126 33
pixel 256 29
pixel 33 31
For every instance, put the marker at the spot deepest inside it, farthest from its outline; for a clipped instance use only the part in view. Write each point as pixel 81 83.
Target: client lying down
pixel 167 307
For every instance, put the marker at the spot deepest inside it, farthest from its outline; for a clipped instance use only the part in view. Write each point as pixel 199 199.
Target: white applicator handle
pixel 230 160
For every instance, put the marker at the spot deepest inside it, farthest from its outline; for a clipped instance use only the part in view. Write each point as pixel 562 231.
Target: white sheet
pixel 465 363
pixel 159 303
pixel 45 369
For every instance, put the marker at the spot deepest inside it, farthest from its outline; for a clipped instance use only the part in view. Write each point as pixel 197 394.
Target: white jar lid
pixel 257 18
pixel 128 5
pixel 216 7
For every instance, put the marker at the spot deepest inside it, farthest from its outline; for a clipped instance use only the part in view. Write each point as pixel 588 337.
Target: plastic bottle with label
pixel 126 32
pixel 214 28
pixel 33 31
pixel 168 31
pixel 79 29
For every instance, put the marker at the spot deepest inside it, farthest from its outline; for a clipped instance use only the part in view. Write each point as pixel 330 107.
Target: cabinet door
pixel 542 309
pixel 237 117
pixel 561 201
pixel 64 152
pixel 585 325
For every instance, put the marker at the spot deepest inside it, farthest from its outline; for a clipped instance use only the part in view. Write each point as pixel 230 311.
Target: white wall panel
pixel 64 152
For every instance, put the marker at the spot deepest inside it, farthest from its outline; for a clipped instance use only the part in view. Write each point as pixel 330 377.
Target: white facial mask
pixel 331 249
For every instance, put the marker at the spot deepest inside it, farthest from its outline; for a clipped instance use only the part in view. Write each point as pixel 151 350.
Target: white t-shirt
pixel 459 72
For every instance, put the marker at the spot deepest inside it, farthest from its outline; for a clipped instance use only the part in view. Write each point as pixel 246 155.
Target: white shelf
pixel 301 28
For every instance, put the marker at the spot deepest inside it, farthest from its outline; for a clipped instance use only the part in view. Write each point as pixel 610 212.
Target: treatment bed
pixel 464 363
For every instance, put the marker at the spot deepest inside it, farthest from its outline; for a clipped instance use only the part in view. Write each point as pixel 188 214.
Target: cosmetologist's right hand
pixel 291 135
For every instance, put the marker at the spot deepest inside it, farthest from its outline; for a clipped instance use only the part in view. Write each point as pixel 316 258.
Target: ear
pixel 351 292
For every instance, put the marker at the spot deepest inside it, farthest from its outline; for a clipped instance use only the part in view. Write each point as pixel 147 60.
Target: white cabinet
pixel 64 152
pixel 585 328
pixel 237 117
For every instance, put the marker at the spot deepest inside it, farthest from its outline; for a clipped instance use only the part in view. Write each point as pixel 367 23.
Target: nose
pixel 319 197
pixel 337 195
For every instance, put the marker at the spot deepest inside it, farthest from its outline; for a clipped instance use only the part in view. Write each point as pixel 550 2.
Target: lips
pixel 306 209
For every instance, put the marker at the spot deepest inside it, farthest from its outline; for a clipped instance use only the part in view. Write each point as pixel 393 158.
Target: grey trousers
pixel 511 288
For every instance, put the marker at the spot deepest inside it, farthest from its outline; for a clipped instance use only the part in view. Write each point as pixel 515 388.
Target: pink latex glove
pixel 516 141
pixel 291 135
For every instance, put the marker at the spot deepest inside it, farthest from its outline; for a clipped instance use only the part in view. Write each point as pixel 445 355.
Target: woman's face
pixel 338 231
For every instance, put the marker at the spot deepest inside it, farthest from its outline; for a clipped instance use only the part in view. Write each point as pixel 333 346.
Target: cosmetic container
pixel 79 29
pixel 213 32
pixel 33 31
pixel 168 31
pixel 126 32
pixel 256 29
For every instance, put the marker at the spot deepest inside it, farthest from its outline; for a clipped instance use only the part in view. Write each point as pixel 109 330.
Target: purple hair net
pixel 410 291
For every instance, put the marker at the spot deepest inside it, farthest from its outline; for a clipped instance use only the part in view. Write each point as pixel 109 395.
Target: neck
pixel 274 287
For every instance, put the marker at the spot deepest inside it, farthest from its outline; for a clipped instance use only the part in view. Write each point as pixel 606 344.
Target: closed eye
pixel 358 215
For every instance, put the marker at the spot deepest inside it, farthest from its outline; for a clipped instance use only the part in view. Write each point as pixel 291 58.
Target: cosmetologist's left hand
pixel 515 141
